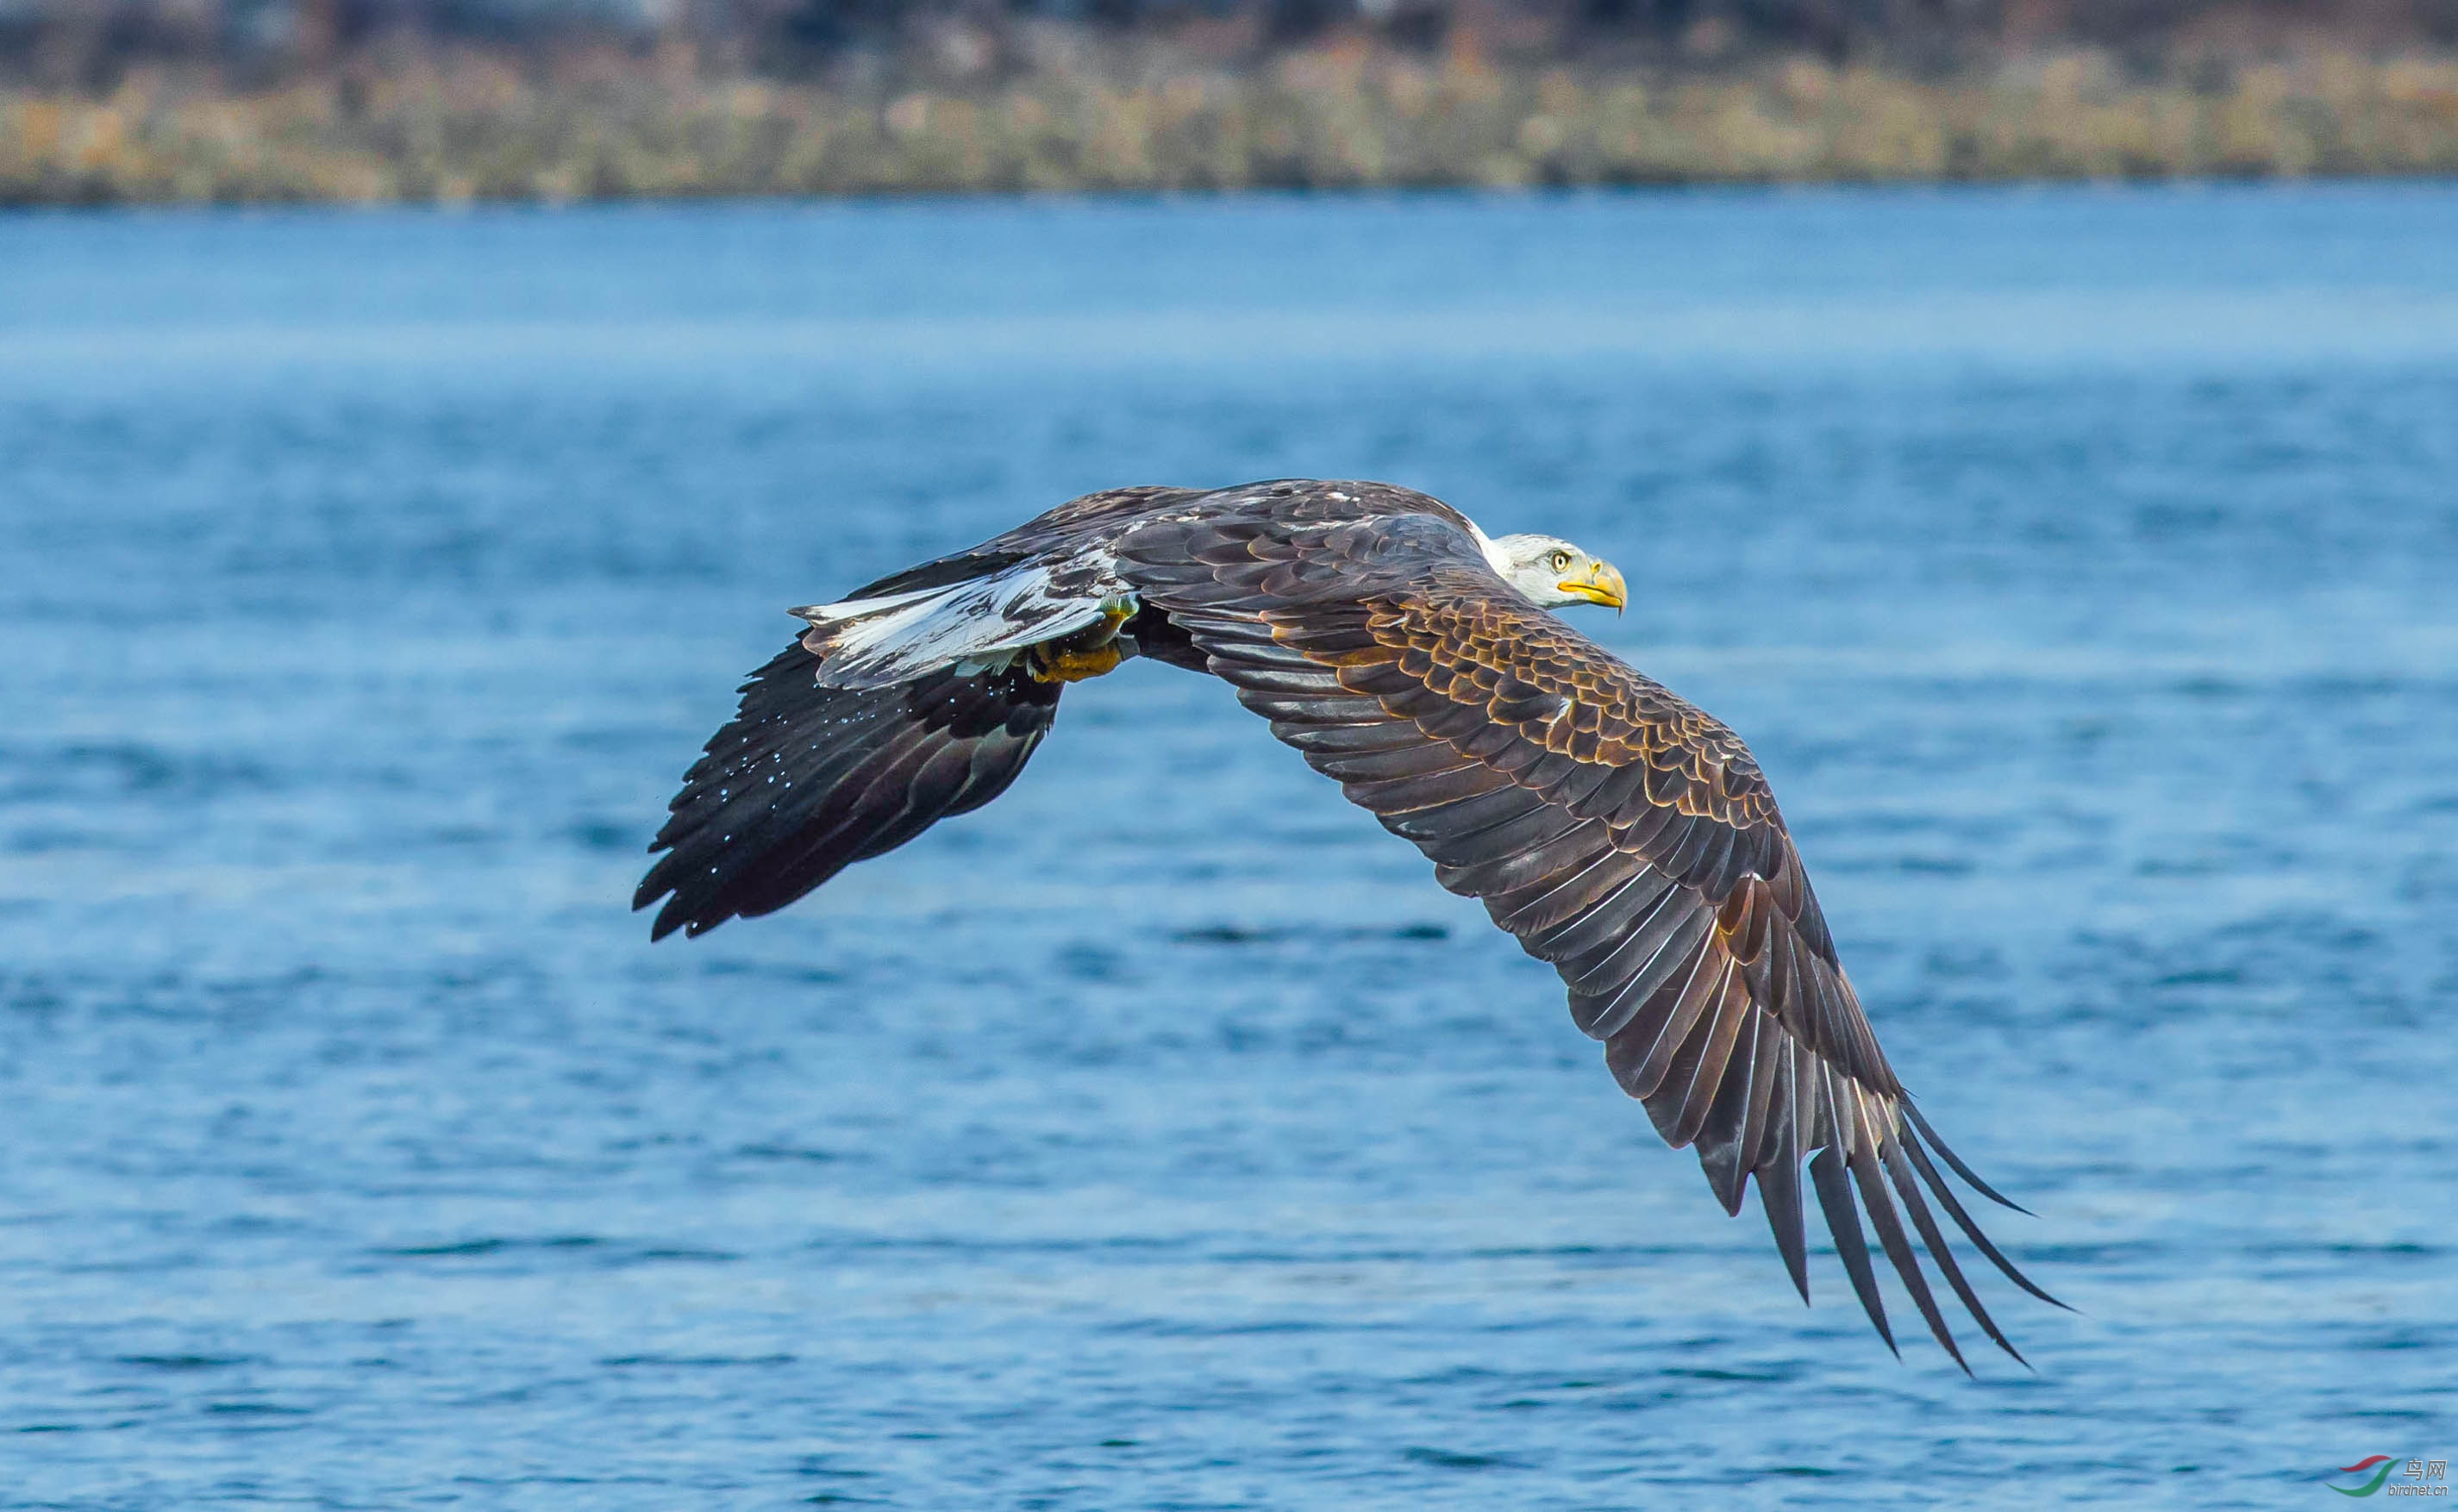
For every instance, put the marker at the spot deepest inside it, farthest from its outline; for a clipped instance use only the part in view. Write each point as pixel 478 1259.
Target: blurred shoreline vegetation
pixel 376 101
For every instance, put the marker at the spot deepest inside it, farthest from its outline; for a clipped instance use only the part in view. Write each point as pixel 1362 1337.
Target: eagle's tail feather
pixel 880 639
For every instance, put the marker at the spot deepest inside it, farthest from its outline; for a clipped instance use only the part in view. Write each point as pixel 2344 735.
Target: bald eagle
pixel 1621 834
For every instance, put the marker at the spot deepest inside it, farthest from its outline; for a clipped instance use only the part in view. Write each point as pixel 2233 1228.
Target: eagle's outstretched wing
pixel 822 766
pixel 807 781
pixel 1620 834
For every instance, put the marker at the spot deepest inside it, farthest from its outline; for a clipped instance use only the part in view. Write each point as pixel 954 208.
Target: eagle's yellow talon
pixel 1047 664
pixel 1086 653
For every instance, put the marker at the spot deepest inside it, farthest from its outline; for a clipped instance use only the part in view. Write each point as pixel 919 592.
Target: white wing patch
pixel 896 638
pixel 858 608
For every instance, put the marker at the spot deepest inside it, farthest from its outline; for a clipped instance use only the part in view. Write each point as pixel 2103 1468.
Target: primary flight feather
pixel 1621 834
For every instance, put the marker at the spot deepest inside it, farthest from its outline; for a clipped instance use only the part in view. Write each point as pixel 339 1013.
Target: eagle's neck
pixel 1494 553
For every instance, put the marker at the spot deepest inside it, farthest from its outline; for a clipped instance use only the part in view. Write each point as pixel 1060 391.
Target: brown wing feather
pixel 1620 834
pixel 808 780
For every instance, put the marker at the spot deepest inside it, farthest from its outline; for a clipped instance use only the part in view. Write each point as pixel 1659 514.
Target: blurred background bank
pixel 453 100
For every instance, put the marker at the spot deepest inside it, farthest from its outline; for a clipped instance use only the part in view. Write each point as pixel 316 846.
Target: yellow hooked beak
pixel 1600 583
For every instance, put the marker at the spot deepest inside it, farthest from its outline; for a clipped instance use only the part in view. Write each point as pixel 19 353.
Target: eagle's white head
pixel 1553 572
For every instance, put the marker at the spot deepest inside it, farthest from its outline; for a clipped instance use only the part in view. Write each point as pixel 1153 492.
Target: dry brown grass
pixel 451 128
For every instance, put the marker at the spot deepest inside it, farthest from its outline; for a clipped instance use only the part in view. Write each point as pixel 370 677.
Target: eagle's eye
pixel 1561 561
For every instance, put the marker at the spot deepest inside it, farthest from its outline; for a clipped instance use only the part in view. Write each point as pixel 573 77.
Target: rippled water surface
pixel 2083 566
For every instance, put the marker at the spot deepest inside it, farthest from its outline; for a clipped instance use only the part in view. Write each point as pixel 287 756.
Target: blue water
pixel 2082 566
